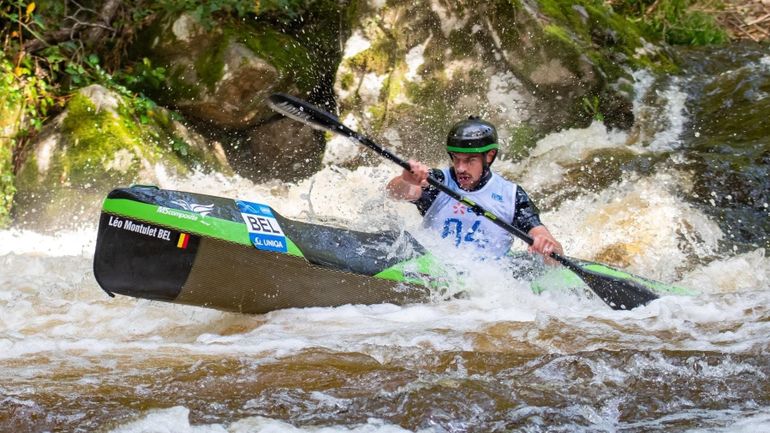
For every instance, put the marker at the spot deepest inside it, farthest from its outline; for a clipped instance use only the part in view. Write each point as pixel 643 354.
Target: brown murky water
pixel 79 361
pixel 503 359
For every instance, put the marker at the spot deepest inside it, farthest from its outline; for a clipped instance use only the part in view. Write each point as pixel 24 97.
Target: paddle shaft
pixel 569 264
pixel 446 190
pixel 616 292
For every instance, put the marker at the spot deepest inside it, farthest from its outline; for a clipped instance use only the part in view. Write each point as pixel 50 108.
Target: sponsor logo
pixel 177 213
pixel 264 231
pixel 202 209
pixel 497 197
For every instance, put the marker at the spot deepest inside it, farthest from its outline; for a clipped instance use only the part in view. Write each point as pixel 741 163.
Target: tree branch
pixel 96 30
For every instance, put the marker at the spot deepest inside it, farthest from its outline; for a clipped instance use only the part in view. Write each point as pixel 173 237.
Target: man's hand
pixel 544 243
pixel 409 185
pixel 418 175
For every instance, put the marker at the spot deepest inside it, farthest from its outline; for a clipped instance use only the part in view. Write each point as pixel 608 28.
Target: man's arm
pixel 527 219
pixel 409 184
pixel 545 243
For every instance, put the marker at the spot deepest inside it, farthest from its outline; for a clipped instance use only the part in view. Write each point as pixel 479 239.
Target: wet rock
pixel 10 112
pixel 222 75
pixel 412 70
pixel 282 149
pixel 96 144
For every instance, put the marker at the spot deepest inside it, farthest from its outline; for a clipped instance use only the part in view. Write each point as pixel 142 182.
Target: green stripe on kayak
pixel 559 277
pixel 424 270
pixel 187 221
pixel 652 285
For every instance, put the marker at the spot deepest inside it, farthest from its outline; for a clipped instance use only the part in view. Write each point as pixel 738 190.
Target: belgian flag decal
pixel 183 239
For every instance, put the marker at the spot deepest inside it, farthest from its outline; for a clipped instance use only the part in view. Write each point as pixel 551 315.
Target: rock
pixel 222 75
pixel 416 68
pixel 97 144
pixel 282 149
pixel 219 77
pixel 10 113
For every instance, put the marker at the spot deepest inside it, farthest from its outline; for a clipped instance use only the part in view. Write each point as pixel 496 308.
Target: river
pixel 500 359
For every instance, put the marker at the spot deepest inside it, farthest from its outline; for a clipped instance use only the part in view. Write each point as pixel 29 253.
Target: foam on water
pixel 50 302
pixel 176 420
pixel 641 223
pixel 51 307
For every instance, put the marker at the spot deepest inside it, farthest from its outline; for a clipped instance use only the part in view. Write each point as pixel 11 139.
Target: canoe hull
pixel 144 255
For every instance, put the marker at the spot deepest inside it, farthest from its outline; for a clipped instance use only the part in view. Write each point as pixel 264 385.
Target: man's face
pixel 469 167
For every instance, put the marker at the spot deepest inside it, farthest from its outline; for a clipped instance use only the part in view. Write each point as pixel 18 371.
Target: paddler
pixel 472 147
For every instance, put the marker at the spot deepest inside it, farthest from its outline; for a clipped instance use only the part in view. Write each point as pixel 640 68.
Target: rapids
pixel 501 359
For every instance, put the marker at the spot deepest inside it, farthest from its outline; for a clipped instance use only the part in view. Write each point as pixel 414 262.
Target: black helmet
pixel 472 136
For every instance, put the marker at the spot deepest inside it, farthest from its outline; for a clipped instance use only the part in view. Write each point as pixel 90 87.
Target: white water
pixel 51 308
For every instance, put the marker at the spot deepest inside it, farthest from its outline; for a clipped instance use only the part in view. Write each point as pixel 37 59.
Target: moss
pixel 78 170
pixel 560 34
pixel 346 81
pixel 377 58
pixel 94 137
pixel 210 65
pixel 602 35
pixel 460 42
pixel 28 179
pixel 378 112
pixel 7 189
pixel 282 51
pixel 189 81
pixel 523 138
pixel 99 149
pixel 178 87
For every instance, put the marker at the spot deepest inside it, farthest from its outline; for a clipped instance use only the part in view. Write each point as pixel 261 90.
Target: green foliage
pixel 591 108
pixel 206 12
pixel 522 139
pixel 41 81
pixel 180 146
pixel 20 86
pixel 678 22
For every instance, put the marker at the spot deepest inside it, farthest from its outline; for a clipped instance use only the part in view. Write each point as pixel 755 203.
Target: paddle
pixel 619 290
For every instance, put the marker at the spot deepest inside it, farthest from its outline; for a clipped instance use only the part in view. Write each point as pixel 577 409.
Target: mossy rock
pixel 222 74
pixel 9 114
pixel 728 146
pixel 96 144
pixel 411 70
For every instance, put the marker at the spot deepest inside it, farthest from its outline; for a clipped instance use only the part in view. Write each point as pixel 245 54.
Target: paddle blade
pixel 301 111
pixel 618 292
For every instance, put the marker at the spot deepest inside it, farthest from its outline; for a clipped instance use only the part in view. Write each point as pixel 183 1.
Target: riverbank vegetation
pixel 50 49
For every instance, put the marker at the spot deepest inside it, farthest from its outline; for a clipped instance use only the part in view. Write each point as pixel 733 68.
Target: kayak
pixel 242 256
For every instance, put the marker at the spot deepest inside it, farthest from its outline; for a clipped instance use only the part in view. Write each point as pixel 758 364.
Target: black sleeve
pixel 430 193
pixel 526 216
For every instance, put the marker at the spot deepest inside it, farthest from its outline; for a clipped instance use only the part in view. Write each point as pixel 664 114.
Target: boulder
pixel 10 115
pixel 97 143
pixel 219 77
pixel 283 149
pixel 410 70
